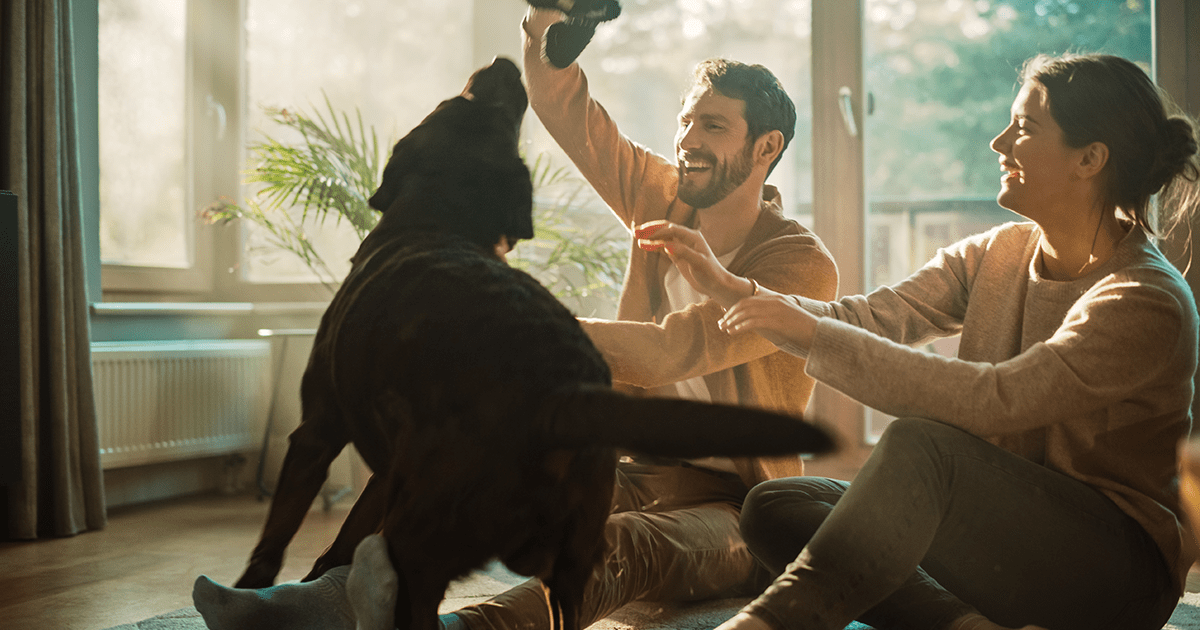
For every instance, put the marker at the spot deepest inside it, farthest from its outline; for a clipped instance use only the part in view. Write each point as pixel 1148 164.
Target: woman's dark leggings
pixel 938 524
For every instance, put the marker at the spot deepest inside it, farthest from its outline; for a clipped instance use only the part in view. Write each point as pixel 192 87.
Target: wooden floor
pixel 144 562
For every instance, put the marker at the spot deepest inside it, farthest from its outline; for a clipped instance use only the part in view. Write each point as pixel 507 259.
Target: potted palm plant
pixel 334 168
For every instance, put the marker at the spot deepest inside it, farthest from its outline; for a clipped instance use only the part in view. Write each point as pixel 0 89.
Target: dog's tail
pixel 598 416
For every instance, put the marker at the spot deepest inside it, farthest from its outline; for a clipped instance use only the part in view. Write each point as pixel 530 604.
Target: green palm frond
pixel 573 261
pixel 334 168
pixel 333 172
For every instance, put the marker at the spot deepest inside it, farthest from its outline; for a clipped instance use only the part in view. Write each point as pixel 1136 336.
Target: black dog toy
pixel 565 40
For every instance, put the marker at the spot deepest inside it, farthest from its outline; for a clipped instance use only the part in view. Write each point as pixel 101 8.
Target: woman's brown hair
pixel 1151 146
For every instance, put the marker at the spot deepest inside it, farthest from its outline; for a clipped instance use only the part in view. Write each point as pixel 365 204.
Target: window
pixel 142 133
pixel 897 100
pixel 147 178
pixel 940 77
pixel 168 115
pixel 390 62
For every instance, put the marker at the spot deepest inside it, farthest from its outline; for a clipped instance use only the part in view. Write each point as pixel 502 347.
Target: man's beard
pixel 724 179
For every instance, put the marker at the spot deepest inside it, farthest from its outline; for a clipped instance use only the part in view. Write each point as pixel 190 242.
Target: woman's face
pixel 1038 165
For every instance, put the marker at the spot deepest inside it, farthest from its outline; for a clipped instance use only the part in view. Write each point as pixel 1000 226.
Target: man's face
pixel 711 148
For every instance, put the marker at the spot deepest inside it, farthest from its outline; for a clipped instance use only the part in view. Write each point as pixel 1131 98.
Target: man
pixel 673 534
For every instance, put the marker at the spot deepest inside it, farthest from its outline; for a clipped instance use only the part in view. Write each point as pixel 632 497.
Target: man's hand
pixel 695 260
pixel 775 316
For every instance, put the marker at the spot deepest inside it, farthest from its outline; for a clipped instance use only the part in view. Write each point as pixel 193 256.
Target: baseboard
pixel 169 480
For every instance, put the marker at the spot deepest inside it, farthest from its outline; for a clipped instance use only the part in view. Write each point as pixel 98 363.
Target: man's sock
pixel 371 585
pixel 317 605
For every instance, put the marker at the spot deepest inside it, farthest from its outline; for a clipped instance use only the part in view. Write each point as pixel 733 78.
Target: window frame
pixel 196 277
pixel 207 116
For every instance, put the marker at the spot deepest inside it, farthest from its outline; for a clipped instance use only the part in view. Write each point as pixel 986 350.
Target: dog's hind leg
pixel 374 434
pixel 423 566
pixel 564 594
pixel 423 583
pixel 311 449
pixel 582 547
pixel 364 519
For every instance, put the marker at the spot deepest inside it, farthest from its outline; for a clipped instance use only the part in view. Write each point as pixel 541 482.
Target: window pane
pixel 393 61
pixel 143 182
pixel 942 75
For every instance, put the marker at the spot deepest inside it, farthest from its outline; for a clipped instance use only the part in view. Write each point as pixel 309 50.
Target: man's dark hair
pixel 768 106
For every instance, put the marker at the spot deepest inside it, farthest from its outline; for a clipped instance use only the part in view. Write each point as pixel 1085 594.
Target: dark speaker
pixel 10 382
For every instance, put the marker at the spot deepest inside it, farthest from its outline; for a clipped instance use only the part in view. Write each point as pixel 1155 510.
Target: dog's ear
pixel 518 202
pixel 407 156
pixel 489 202
pixel 398 165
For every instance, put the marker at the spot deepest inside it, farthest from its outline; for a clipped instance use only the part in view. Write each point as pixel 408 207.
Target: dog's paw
pixel 258 575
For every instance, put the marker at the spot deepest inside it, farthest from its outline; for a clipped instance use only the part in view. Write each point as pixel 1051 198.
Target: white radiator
pixel 160 401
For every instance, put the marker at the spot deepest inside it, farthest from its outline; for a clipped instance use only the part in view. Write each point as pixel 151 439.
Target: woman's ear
pixel 768 146
pixel 1092 159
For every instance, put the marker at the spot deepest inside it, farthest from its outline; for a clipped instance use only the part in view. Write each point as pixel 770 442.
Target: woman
pixel 1031 481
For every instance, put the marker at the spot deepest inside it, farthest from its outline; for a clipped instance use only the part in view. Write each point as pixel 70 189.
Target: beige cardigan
pixel 648 348
pixel 1090 377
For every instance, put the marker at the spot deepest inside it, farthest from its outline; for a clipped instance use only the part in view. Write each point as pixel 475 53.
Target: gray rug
pixel 647 616
pixel 637 616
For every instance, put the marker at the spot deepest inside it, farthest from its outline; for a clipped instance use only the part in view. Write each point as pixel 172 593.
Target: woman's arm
pixel 928 305
pixel 1111 345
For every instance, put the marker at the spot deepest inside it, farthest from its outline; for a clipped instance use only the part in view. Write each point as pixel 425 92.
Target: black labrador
pixel 475 397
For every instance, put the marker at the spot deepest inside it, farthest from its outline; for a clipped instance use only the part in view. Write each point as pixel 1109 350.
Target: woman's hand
pixel 744 621
pixel 695 260
pixel 775 316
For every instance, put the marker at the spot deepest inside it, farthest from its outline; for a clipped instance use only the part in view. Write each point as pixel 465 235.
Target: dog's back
pixel 431 319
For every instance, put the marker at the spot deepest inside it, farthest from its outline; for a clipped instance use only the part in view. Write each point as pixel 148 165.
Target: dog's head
pixel 459 171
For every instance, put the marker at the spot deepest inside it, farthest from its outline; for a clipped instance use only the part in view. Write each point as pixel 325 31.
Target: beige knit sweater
pixel 1091 377
pixel 648 348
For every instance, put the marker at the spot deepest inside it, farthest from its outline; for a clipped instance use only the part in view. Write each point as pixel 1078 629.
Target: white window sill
pixel 207 308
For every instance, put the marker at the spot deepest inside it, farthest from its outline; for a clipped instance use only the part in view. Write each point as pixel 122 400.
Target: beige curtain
pixel 60 492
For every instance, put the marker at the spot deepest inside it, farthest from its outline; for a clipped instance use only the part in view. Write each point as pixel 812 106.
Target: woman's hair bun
pixel 1177 154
